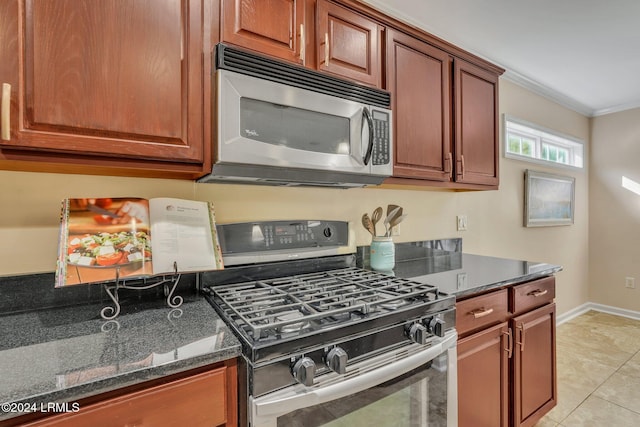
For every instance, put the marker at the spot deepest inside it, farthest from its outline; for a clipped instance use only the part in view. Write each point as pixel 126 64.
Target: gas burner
pixel 292 327
pixel 310 302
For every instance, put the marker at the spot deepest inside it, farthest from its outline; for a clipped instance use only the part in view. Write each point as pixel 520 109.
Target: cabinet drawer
pixel 199 400
pixel 533 294
pixel 478 312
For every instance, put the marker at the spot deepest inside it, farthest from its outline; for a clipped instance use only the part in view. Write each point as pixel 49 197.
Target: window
pixel 526 141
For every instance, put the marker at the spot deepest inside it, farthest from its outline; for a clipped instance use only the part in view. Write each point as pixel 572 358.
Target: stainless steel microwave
pixel 278 123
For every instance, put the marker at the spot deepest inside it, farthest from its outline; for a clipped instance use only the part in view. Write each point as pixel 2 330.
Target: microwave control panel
pixel 381 145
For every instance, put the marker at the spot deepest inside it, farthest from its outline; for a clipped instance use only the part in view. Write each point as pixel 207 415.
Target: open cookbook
pixel 102 240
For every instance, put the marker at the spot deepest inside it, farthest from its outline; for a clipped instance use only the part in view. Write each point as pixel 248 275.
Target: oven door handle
pixel 278 405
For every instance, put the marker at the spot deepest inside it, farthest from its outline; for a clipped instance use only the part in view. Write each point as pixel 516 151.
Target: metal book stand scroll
pixel 169 282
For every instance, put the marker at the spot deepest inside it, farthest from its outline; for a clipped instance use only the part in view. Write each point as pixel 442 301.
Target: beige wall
pixel 30 207
pixel 615 211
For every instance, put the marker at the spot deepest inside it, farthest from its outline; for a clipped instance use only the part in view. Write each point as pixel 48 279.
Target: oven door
pixel 410 387
pixel 261 122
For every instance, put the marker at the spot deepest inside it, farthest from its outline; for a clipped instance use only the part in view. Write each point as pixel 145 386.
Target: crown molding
pixel 509 74
pixel 548 93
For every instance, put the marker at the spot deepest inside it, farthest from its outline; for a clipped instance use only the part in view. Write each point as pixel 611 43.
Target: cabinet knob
pixel 304 370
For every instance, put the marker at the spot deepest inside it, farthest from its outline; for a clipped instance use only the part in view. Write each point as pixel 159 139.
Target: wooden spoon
pixel 391 208
pixel 368 225
pixel 395 212
pixel 375 217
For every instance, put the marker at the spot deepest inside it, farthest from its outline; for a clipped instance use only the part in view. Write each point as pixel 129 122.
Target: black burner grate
pixel 276 307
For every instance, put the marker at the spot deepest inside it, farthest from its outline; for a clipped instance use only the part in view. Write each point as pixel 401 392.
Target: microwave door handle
pixel 367 117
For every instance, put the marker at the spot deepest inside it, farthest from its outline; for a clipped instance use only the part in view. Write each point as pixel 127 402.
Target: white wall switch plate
pixel 462 222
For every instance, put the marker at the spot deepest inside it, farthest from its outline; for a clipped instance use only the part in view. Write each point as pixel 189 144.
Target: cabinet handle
pixel 538 293
pixel 5 112
pixel 303 44
pixel 481 312
pixel 521 343
pixel 462 166
pixel 326 49
pixel 449 165
pixel 509 348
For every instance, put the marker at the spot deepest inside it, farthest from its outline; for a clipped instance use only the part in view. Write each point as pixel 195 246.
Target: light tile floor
pixel 598 361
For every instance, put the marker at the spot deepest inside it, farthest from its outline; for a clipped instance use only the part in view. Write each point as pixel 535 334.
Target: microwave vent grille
pixel 244 62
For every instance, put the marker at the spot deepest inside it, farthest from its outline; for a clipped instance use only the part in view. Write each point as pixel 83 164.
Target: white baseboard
pixel 596 307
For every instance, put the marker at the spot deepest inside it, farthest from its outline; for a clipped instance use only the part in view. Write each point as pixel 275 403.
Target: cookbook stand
pixel 169 282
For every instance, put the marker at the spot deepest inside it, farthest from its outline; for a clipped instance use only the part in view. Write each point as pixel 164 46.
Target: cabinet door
pixel 535 387
pixel 115 78
pixel 348 44
pixel 268 26
pixel 195 401
pixel 476 125
pixel 483 378
pixel 418 77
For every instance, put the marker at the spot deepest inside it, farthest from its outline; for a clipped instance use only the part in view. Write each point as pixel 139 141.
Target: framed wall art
pixel 549 199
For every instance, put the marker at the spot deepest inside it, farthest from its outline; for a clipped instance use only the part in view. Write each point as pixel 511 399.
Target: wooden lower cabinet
pixel 206 399
pixel 483 378
pixel 507 369
pixel 534 365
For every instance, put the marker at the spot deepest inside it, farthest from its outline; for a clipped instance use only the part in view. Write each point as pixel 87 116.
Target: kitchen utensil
pixel 390 216
pixel 368 225
pixel 395 221
pixel 391 208
pixel 375 217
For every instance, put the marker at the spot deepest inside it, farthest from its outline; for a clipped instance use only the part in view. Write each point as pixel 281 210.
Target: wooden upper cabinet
pixel 109 78
pixel 327 37
pixel 269 26
pixel 348 44
pixel 476 124
pixel 419 79
pixel 445 116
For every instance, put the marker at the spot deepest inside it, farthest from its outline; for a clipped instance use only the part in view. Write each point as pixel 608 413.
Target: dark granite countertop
pixel 473 274
pixel 68 353
pixel 443 264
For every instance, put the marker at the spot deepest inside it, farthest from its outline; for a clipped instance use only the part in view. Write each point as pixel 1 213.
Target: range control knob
pixel 336 360
pixel 418 333
pixel 304 370
pixel 436 326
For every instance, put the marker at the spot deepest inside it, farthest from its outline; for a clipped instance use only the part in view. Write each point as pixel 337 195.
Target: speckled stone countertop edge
pixel 199 318
pixel 503 284
pixel 125 380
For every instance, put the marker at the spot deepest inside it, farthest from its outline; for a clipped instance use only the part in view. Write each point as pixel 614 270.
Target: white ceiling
pixel 584 54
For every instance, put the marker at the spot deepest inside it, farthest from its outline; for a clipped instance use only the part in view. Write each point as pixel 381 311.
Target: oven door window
pixel 415 399
pixel 292 127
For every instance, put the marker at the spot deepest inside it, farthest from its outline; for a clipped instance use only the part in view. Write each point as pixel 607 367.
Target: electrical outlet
pixel 462 222
pixel 461 280
pixel 395 231
pixel 630 282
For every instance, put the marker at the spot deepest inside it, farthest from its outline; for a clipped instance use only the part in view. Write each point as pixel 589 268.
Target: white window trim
pixel 538 146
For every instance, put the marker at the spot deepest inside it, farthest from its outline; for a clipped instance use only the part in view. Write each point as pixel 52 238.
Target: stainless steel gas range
pixel 326 343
